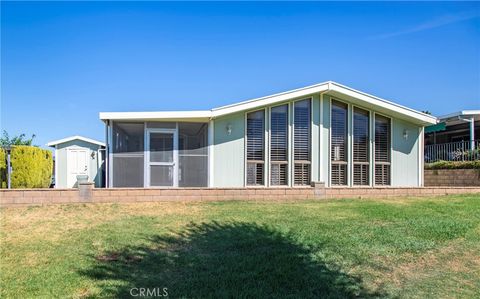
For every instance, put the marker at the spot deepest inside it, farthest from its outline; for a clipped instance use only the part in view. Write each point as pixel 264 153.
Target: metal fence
pixel 453 151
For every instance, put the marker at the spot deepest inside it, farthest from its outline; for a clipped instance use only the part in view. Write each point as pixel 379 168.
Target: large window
pixel 301 142
pixel 279 145
pixel 193 155
pixel 361 147
pixel 338 149
pixel 255 147
pixel 382 150
pixel 127 150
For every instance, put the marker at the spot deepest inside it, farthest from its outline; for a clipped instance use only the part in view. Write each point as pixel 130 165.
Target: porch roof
pixel 329 87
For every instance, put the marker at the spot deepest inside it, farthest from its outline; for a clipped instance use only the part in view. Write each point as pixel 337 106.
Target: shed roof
pixel 76 137
pixel 329 87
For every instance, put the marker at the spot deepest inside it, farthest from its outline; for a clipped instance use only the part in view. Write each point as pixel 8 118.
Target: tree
pixel 5 140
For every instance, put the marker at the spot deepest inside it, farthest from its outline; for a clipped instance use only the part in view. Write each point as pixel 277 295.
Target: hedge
pixel 453 165
pixel 31 167
pixel 3 168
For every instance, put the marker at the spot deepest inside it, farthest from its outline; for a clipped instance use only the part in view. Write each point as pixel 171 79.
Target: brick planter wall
pixel 452 177
pixel 62 196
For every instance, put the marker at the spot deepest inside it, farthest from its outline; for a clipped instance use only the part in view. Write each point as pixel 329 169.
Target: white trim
pixel 56 167
pixel 211 140
pixel 197 116
pixel 76 137
pixel 329 87
pixel 459 113
pixel 372 148
pixel 320 142
pixel 350 145
pixel 290 155
pixel 110 153
pixel 421 161
pixel 147 162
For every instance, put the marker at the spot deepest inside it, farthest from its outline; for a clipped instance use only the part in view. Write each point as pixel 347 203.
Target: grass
pixel 407 248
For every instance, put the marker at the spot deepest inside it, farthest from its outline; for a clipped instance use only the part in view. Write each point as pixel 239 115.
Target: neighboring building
pixel 455 137
pixel 322 133
pixel 78 156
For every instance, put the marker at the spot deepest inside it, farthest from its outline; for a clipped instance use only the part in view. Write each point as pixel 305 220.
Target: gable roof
pixel 76 137
pixel 331 88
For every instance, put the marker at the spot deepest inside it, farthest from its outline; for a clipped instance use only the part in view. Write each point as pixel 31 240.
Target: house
pixel 454 137
pixel 78 156
pixel 327 133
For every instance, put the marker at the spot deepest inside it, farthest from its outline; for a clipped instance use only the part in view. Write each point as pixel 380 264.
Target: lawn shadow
pixel 223 260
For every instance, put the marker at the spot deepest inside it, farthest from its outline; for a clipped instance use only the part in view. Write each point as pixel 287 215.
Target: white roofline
pixel 460 113
pixel 329 86
pixel 163 115
pixel 76 137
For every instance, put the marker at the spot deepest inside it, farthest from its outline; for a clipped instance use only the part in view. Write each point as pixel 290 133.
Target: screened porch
pixel 157 154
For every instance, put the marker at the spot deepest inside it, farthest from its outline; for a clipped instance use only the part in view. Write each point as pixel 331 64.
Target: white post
pixel 9 170
pixel 210 138
pixel 472 134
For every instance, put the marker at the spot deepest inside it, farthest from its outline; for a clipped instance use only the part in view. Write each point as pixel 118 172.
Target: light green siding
pixel 315 138
pixel 325 141
pixel 95 174
pixel 405 154
pixel 229 151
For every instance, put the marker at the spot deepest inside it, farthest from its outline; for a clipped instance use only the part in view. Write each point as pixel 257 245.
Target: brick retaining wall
pixel 452 177
pixel 60 196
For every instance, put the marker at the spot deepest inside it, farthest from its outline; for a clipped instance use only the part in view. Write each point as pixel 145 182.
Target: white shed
pixel 77 155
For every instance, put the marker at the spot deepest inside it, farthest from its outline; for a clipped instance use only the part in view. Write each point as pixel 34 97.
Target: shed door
pixel 77 164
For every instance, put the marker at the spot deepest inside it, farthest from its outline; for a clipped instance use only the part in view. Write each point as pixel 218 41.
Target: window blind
pixel 255 147
pixel 338 144
pixel 301 142
pixel 360 147
pixel 279 145
pixel 382 150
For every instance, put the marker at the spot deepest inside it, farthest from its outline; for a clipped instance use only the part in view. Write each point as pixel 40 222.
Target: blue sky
pixel 62 63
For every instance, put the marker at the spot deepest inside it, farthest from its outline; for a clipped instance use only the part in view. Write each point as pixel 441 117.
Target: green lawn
pixel 406 248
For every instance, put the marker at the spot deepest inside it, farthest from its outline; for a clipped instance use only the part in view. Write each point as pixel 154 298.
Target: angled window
pixel 361 147
pixel 255 147
pixel 338 149
pixel 301 142
pixel 382 150
pixel 279 145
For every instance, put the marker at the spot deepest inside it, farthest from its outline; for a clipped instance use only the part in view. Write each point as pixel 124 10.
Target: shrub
pixel 453 165
pixel 32 167
pixel 3 168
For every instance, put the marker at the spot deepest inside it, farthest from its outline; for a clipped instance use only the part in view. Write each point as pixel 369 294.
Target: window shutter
pixel 361 147
pixel 255 147
pixel 338 133
pixel 279 145
pixel 382 150
pixel 301 142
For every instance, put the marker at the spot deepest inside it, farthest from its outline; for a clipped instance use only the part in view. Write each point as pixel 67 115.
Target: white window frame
pixel 390 149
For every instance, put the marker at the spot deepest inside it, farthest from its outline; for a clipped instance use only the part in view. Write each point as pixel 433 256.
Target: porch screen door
pixel 162 156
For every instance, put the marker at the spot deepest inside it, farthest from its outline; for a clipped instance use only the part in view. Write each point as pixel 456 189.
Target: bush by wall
pixel 3 168
pixel 31 167
pixel 453 165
